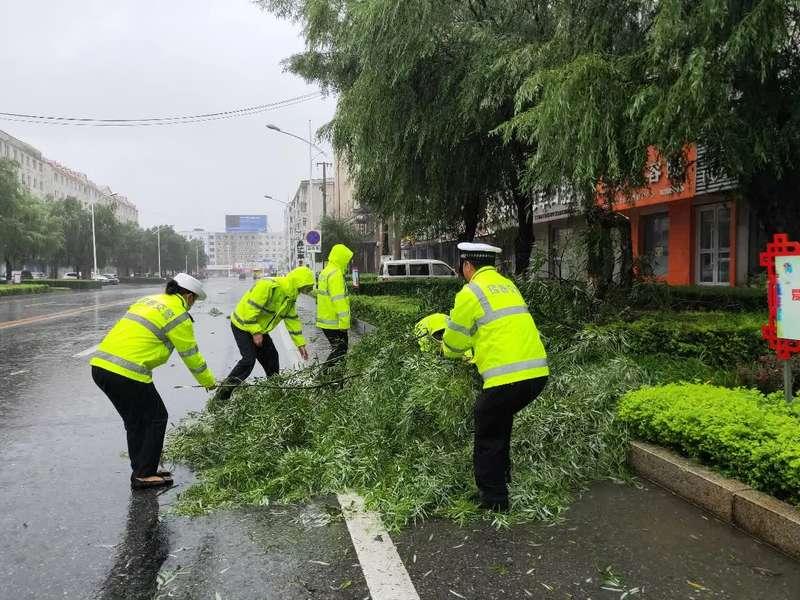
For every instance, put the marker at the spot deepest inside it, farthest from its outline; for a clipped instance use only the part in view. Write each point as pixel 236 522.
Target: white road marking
pixel 86 352
pixel 18 372
pixel 386 576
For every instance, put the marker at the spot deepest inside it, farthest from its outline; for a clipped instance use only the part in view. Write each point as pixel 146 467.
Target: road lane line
pixel 386 576
pixel 86 352
pixel 62 314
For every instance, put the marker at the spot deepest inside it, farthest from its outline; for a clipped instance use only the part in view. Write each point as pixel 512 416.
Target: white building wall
pixel 50 180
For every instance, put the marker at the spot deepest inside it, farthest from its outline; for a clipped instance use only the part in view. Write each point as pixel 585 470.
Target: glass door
pixel 713 244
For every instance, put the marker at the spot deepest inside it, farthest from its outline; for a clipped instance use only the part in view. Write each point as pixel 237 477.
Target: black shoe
pixel 486 504
pixel 494 505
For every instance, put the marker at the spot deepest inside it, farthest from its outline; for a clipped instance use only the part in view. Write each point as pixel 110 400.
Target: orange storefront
pixel 687 235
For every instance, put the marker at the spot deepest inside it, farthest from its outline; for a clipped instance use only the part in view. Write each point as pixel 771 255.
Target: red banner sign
pixel 780 252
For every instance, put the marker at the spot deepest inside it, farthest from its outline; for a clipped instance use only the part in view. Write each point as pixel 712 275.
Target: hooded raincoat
pixel 271 300
pixel 333 304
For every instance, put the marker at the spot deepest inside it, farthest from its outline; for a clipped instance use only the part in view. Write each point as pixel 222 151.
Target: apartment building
pixel 50 180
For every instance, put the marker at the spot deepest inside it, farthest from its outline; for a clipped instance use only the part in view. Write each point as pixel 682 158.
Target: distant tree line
pixel 58 233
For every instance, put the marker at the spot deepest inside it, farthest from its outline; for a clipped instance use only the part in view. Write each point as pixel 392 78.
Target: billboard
pixel 248 223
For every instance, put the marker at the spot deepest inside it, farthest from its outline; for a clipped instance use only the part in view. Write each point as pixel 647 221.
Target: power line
pixel 157 121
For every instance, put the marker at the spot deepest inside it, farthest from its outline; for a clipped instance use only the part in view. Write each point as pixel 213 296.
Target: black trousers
pixel 266 355
pixel 144 415
pixel 338 340
pixel 494 419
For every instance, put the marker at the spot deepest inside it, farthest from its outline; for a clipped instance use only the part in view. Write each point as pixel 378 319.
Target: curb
pixel 732 501
pixel 361 327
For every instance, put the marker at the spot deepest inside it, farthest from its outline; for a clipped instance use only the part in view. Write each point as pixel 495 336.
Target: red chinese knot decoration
pixel 779 246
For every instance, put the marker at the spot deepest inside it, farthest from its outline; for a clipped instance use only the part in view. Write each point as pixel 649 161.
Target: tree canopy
pixel 447 110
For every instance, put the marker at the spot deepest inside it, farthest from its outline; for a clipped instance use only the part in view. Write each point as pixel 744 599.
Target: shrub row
pixel 747 435
pixel 73 284
pixel 698 297
pixel 24 288
pixel 386 310
pixel 717 338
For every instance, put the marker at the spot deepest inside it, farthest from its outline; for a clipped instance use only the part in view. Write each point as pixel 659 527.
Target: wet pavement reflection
pixel 138 558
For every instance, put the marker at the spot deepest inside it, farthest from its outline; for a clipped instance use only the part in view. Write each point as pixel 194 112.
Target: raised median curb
pixel 759 514
pixel 361 327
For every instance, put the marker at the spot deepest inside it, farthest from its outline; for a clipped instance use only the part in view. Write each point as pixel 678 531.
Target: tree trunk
pixel 472 214
pixel 626 251
pixel 524 241
pixel 8 269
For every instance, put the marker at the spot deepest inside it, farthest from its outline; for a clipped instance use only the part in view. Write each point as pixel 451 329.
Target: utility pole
pixel 324 186
pixel 197 258
pixel 158 234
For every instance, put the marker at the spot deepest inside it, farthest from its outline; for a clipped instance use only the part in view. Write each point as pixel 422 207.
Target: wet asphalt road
pixel 71 528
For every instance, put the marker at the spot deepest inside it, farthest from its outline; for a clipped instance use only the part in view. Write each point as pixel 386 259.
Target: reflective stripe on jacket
pixel 333 304
pixel 491 317
pixel 145 337
pixel 270 301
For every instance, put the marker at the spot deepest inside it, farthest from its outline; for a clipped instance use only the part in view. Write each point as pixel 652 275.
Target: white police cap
pixel 475 250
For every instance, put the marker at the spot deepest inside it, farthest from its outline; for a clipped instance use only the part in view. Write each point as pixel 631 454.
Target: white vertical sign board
pixel 787 273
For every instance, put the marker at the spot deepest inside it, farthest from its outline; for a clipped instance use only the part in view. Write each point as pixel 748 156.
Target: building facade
pixel 303 213
pixel 50 180
pixel 238 251
pixel 697 233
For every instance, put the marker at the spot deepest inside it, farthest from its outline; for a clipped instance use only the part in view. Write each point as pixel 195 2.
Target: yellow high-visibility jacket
pixel 333 305
pixel 491 317
pixel 426 327
pixel 144 339
pixel 270 301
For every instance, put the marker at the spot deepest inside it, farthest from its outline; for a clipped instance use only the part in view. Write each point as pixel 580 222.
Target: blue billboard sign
pixel 248 223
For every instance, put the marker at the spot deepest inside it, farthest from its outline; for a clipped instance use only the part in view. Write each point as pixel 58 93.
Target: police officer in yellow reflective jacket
pixel 491 318
pixel 429 331
pixel 333 305
pixel 123 366
pixel 259 311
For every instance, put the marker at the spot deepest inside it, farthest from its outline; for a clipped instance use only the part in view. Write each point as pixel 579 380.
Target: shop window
pixel 655 245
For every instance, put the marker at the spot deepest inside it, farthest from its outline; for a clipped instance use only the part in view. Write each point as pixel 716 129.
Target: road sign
pixel 314 241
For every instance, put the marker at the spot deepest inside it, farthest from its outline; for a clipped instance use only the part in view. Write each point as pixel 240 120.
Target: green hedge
pixel 699 297
pixel 412 287
pixel 73 284
pixel 717 338
pixel 745 434
pixel 23 288
pixel 386 310
pixel 142 280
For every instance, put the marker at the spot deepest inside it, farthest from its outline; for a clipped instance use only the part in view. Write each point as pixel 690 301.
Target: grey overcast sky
pixel 142 58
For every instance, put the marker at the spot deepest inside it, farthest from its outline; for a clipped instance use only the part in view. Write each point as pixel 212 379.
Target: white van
pixel 415 267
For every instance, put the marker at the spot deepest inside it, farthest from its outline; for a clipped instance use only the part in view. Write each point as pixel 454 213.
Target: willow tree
pixel 573 107
pixel 726 74
pixel 418 100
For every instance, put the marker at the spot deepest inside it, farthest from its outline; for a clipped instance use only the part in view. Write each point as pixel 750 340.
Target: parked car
pixel 70 275
pixel 112 278
pixel 101 278
pixel 38 275
pixel 415 267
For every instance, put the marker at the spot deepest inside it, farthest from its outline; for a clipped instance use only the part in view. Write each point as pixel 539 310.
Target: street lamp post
pixel 158 236
pixel 311 145
pixel 94 243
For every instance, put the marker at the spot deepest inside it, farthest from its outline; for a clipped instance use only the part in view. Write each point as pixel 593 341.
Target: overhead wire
pixel 157 121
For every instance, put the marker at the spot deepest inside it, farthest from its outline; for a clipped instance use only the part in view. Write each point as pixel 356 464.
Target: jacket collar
pixel 482 270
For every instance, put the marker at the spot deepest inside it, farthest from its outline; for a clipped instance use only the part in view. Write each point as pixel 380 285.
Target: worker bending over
pixel 123 366
pixel 491 318
pixel 333 304
pixel 259 311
